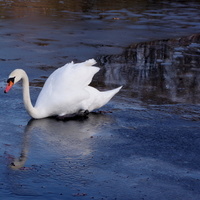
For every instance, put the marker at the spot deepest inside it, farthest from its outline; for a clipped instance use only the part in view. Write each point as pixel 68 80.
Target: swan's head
pixel 13 78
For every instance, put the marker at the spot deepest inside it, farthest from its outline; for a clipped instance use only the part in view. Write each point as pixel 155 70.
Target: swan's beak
pixel 8 87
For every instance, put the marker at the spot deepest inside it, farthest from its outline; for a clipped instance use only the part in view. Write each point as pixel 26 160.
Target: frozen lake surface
pixel 147 146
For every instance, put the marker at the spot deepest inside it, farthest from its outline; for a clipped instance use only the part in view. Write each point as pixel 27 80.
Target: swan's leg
pixel 83 113
pixel 80 114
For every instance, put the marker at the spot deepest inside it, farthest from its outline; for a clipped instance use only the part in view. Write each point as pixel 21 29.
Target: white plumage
pixel 66 92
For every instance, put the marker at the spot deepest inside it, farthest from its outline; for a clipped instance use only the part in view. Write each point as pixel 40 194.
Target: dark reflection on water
pixel 158 72
pixel 142 17
pixel 55 6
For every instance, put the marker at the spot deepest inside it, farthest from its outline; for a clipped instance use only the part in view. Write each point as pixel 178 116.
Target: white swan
pixel 65 93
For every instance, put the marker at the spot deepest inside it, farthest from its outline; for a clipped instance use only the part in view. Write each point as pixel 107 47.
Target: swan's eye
pixel 11 80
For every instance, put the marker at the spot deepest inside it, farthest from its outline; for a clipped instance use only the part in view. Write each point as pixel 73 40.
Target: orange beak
pixel 8 87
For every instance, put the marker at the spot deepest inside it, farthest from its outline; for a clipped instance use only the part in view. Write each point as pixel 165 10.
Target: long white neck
pixel 26 97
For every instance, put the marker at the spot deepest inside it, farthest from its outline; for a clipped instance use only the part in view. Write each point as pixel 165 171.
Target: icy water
pixel 147 145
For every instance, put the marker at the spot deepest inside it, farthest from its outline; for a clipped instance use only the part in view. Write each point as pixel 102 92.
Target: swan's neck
pixel 26 97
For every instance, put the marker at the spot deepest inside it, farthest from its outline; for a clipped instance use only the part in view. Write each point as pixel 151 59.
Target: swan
pixel 66 93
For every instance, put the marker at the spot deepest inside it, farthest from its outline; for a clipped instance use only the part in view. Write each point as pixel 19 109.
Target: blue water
pixel 147 146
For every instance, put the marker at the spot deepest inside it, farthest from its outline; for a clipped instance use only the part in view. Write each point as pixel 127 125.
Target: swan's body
pixel 65 92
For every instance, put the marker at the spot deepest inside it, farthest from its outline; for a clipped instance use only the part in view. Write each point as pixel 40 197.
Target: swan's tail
pixel 90 62
pixel 104 97
pixel 108 95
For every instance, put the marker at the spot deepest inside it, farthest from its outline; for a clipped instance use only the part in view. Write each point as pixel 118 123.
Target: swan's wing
pixel 72 76
pixel 79 75
pixel 65 86
pixel 69 79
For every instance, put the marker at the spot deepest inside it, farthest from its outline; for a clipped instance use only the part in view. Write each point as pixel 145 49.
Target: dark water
pixel 147 147
pixel 44 36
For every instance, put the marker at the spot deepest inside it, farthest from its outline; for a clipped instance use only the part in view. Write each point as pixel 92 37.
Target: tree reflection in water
pixel 158 72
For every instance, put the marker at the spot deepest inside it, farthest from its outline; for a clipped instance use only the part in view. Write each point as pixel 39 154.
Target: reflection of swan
pixel 17 163
pixel 66 92
pixel 69 138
